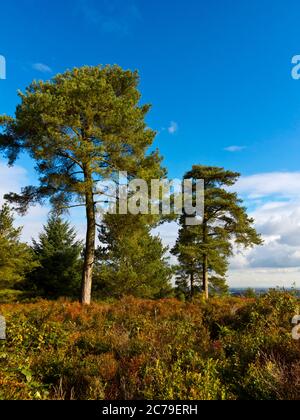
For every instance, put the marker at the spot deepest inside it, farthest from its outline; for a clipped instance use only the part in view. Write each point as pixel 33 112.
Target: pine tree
pixel 16 258
pixel 130 260
pixel 81 127
pixel 203 250
pixel 58 253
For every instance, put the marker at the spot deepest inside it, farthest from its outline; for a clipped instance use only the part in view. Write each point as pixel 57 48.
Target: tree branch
pixel 67 156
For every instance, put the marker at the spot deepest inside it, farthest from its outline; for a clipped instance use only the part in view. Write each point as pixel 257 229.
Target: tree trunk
pixel 205 262
pixel 89 255
pixel 205 277
pixel 192 285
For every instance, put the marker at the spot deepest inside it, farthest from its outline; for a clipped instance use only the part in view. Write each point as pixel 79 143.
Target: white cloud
pixel 280 184
pixel 234 149
pixel 173 128
pixel 168 232
pixel 42 68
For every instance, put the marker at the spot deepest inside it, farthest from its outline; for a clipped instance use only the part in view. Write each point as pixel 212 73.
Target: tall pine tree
pixel 203 250
pixel 81 127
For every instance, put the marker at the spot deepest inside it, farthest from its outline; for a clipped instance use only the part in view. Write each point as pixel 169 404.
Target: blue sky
pixel 218 73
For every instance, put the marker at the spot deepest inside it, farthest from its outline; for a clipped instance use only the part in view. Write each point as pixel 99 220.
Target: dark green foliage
pixel 16 258
pixel 58 253
pixel 218 286
pixel 130 260
pixel 204 250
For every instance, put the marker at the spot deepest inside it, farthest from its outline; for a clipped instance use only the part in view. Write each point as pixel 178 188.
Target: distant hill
pixel 234 291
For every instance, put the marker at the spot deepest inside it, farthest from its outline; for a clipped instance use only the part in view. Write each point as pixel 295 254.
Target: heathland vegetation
pixel 226 348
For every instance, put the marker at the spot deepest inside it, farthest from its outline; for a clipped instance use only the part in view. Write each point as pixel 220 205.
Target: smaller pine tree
pixel 130 260
pixel 58 253
pixel 16 258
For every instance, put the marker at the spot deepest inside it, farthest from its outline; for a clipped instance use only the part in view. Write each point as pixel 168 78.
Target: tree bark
pixel 89 255
pixel 192 285
pixel 205 277
pixel 205 263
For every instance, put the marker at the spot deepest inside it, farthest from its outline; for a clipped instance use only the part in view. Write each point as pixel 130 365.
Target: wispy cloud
pixel 173 128
pixel 234 149
pixel 114 16
pixel 42 68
